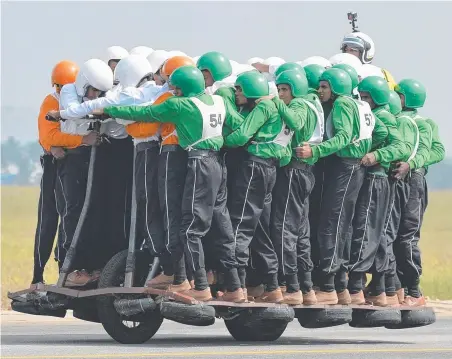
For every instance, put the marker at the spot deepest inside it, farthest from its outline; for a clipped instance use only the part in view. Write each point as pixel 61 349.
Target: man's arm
pixel 233 119
pixel 425 144
pixel 50 134
pixel 437 151
pixel 294 115
pixel 379 133
pixel 252 123
pixel 396 148
pixel 169 111
pixel 342 118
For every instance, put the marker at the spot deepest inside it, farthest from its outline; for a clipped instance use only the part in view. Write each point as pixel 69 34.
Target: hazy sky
pixel 411 40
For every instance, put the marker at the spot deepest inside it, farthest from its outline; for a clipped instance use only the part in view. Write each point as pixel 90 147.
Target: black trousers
pixel 172 170
pixel 315 206
pixel 293 185
pixel 204 204
pixel 368 226
pixel 345 177
pixel 112 197
pixel 406 246
pixel 72 174
pixel 385 255
pixel 47 225
pixel 149 231
pixel 249 202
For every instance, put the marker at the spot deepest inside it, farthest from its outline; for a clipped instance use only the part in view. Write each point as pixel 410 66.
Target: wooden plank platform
pixel 80 293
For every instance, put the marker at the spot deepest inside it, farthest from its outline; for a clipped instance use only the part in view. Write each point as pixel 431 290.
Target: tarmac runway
pixel 31 337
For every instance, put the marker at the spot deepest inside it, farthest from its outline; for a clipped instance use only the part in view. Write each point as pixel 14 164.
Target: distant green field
pixel 19 212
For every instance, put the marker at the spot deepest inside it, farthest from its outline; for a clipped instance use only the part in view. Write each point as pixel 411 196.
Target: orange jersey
pixel 49 132
pixel 168 130
pixel 142 129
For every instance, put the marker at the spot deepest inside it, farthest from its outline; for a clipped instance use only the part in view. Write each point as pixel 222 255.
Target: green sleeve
pixel 227 93
pixel 342 117
pixel 437 152
pixel 252 123
pixel 396 148
pixel 379 134
pixel 425 144
pixel 233 119
pixel 168 111
pixel 405 129
pixel 294 115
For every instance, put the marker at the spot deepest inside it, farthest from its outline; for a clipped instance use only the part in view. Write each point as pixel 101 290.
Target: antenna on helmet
pixel 353 18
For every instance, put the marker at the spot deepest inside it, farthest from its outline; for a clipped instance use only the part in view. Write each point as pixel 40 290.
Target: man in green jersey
pixel 428 150
pixel 289 226
pixel 350 132
pixel 267 140
pixel 373 200
pixel 198 119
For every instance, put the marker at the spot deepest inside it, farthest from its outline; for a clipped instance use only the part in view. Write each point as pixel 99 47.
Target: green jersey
pixel 351 129
pixel 198 120
pixel 264 132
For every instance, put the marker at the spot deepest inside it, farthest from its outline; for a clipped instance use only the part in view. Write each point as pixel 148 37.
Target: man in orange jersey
pixel 52 141
pixel 172 168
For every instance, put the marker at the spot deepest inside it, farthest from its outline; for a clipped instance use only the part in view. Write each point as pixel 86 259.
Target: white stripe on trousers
pixel 365 223
pixel 166 204
pixel 193 215
pixel 40 221
pixel 284 221
pixel 412 239
pixel 63 219
pixel 146 190
pixel 339 219
pixel 244 204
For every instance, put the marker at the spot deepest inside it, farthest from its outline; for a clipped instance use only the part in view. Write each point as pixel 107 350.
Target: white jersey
pixel 317 135
pixel 213 117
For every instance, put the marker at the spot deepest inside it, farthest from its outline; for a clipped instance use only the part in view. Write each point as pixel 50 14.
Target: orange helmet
pixel 175 62
pixel 64 73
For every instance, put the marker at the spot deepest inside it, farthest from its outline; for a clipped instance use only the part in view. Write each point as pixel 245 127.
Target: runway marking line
pixel 253 353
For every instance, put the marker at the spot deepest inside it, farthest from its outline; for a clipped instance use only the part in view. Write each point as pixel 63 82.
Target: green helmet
pixel 216 63
pixel 395 105
pixel 351 71
pixel 339 80
pixel 296 80
pixel 377 87
pixel 253 84
pixel 413 91
pixel 313 73
pixel 189 79
pixel 289 66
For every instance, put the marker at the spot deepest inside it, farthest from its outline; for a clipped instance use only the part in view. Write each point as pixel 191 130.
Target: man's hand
pixel 55 115
pixel 98 112
pixel 57 152
pixel 259 66
pixel 91 139
pixel 268 97
pixel 304 151
pixel 369 160
pixel 401 170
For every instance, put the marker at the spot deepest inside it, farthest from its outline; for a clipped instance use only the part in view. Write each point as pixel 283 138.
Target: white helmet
pixel 349 59
pixel 195 59
pixel 157 59
pixel 273 60
pixel 253 60
pixel 318 60
pixel 361 41
pixel 131 70
pixel 141 50
pixel 95 73
pixel 235 66
pixel 116 53
pixel 241 68
pixel 177 53
pixel 367 70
